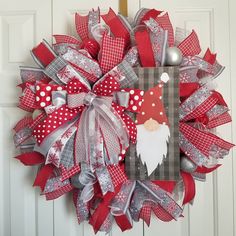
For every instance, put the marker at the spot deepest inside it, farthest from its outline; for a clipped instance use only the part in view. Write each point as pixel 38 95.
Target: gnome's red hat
pixel 152 106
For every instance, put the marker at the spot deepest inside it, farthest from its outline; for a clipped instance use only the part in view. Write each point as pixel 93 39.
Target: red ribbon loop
pixel 123 222
pixel 116 26
pixel 43 53
pixel 189 187
pixel 101 212
pixel 145 48
pixel 43 175
pixel 31 158
pixel 190 46
pixel 152 13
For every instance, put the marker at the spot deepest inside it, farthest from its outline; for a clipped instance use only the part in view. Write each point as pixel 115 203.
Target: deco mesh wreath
pixel 95 100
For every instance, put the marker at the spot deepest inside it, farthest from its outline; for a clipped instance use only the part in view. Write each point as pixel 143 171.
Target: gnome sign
pixel 152 129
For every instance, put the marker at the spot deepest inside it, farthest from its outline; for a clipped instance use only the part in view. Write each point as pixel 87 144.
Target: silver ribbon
pixel 87 179
pixel 135 193
pixel 122 98
pixel 218 152
pixel 82 209
pixel 191 151
pixel 22 135
pixel 193 101
pixel 98 120
pixel 104 180
pixel 121 201
pixel 84 181
pixel 58 99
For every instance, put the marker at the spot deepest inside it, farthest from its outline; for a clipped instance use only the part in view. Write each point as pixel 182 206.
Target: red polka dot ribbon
pixel 43 93
pixel 106 87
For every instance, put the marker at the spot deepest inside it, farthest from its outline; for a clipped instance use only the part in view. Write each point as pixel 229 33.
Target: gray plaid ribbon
pixel 54 67
pixel 29 73
pixel 129 76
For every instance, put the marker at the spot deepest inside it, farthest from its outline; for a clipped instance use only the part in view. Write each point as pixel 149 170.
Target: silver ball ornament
pixel 187 165
pixel 173 56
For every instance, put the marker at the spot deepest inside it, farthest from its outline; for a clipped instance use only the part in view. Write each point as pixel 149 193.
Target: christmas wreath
pixel 123 116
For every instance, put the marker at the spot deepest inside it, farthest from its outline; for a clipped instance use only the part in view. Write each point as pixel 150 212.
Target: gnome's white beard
pixel 152 145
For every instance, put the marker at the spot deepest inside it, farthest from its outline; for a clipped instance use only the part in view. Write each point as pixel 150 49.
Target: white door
pixel 22 25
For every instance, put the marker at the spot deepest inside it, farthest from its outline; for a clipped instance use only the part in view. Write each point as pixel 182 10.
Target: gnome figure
pixel 152 129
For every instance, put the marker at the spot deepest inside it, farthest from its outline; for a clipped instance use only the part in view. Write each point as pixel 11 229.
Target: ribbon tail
pixel 205 170
pixel 189 187
pixel 190 46
pixel 55 188
pixel 82 210
pixel 145 213
pixel 31 158
pixel 144 46
pixel 43 175
pixel 80 142
pixel 123 222
pixel 164 22
pixel 117 26
pixel 162 198
pixel 81 23
pixel 111 143
pixel 210 57
pixel 60 38
pixel 102 211
pixel 104 180
pixel 43 54
pixel 162 214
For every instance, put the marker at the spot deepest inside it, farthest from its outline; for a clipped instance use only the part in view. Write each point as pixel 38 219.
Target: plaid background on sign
pixel 170 167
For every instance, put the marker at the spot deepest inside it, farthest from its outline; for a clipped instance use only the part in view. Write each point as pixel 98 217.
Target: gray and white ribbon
pixel 98 120
pixel 135 193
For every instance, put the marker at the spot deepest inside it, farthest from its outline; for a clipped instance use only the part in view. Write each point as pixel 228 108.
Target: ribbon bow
pixel 100 130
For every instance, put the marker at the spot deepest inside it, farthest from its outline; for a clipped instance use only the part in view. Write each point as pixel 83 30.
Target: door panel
pixel 232 71
pixel 22 25
pixel 23 210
